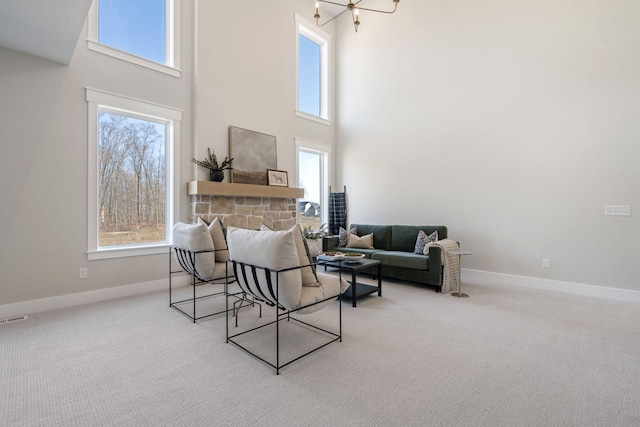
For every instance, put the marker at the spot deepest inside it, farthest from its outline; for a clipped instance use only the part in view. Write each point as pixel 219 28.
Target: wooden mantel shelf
pixel 233 189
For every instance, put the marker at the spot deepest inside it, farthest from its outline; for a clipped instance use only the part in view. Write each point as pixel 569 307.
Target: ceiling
pixel 45 28
pixel 328 10
pixel 50 28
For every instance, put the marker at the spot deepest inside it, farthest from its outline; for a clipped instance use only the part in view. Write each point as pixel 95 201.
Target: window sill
pixel 313 118
pixel 133 59
pixel 128 252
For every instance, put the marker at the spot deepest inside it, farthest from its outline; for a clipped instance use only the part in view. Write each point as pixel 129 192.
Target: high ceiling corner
pixel 43 28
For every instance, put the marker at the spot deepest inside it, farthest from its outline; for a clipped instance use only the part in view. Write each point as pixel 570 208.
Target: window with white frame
pixel 313 164
pixel 132 193
pixel 144 32
pixel 312 71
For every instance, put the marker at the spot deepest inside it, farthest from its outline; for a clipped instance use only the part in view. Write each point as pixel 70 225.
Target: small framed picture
pixel 278 178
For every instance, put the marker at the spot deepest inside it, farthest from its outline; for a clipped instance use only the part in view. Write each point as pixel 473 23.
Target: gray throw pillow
pixel 423 239
pixel 343 236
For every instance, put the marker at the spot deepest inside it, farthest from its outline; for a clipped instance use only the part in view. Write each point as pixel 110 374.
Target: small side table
pixel 456 277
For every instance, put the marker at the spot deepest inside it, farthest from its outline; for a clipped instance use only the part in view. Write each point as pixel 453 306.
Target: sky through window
pixel 309 76
pixel 134 26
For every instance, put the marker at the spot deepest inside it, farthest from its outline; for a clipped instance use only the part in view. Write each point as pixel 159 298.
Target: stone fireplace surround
pixel 244 205
pixel 245 212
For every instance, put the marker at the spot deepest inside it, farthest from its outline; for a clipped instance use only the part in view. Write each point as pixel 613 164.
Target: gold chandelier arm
pixel 338 4
pixel 322 25
pixel 395 7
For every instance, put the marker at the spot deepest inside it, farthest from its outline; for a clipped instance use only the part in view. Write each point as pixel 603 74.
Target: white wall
pixel 43 178
pixel 512 123
pixel 245 78
pixel 246 75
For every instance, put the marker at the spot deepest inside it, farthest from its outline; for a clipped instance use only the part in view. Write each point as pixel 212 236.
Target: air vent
pixel 13 319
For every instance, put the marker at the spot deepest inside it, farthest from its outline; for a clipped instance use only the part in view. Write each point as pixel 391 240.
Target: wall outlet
pixel 546 263
pixel 618 210
pixel 84 272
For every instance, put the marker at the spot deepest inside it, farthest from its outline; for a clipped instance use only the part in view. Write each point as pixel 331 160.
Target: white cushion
pixel 220 271
pixel 364 242
pixel 308 273
pixel 196 237
pixel 275 250
pixel 329 286
pixel 219 241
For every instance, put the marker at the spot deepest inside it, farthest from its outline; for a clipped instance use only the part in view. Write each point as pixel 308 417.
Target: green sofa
pixel 394 245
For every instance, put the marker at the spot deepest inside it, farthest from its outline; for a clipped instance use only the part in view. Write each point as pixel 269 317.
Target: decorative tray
pixel 330 256
pixel 350 257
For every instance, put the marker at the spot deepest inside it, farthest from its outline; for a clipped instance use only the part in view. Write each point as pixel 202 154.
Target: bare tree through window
pixel 132 179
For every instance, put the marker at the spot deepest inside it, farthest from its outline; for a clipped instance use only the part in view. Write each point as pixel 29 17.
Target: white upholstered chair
pixel 273 266
pixel 200 250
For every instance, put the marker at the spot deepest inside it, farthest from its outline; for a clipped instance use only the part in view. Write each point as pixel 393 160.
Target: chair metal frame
pixel 187 261
pixel 282 313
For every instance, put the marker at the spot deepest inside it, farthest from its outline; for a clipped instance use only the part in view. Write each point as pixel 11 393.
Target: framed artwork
pixel 278 178
pixel 253 154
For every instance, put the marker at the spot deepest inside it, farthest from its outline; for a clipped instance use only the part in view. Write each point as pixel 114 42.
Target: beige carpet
pixel 503 357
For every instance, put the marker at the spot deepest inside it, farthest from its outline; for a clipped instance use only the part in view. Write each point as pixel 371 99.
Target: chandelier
pixel 355 11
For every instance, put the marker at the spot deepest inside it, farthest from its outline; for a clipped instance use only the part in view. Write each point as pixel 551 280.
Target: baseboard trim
pixel 70 300
pixel 510 280
pixel 471 276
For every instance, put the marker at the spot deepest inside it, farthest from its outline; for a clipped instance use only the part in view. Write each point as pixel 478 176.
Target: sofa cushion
pixel 402 259
pixel 403 237
pixel 381 235
pixel 364 242
pixel 343 236
pixel 423 239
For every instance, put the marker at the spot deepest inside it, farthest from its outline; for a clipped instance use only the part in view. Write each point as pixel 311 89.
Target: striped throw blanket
pixel 450 262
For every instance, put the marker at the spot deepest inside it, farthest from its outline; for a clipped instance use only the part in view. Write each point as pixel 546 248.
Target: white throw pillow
pixel 308 273
pixel 309 277
pixel 196 237
pixel 219 241
pixel 275 250
pixel 363 242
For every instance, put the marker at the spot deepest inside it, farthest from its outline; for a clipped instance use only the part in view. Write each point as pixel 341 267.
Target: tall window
pixel 309 86
pixel 137 27
pixel 130 173
pixel 132 179
pixel 312 71
pixel 313 176
pixel 144 32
